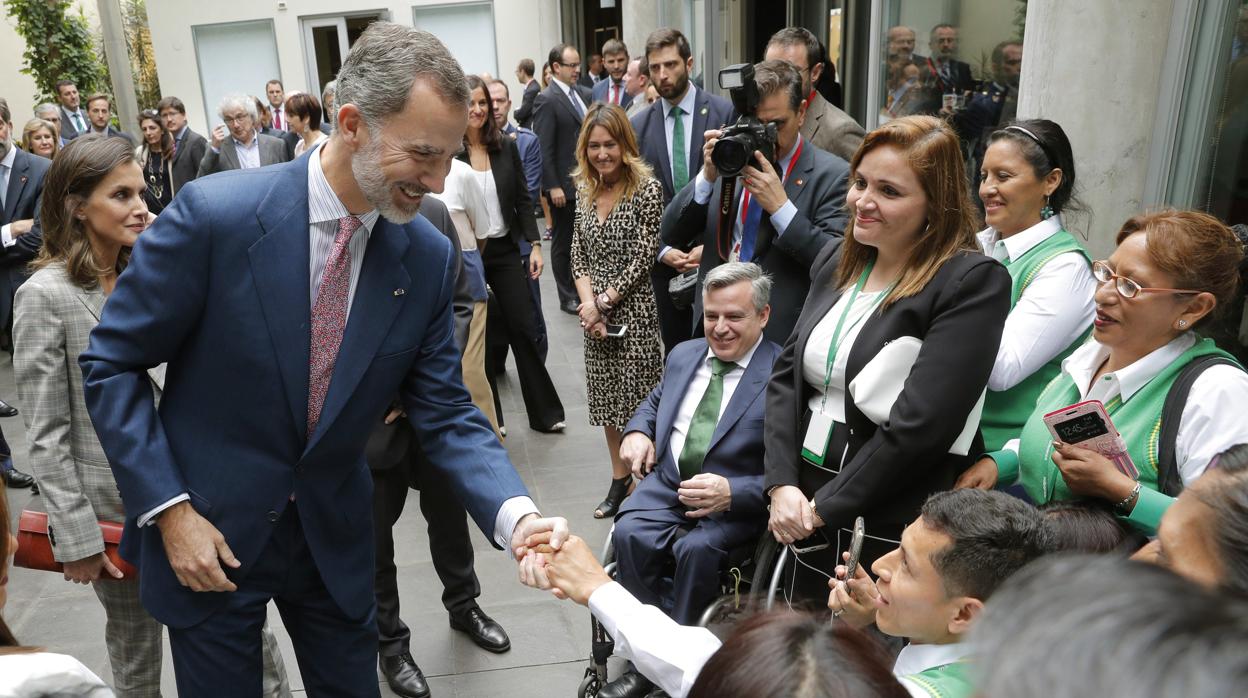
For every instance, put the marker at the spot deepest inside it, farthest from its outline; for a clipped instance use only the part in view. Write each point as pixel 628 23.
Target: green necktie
pixel 705 417
pixel 680 160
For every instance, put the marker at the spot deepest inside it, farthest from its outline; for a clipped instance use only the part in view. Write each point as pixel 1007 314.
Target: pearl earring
pixel 1182 324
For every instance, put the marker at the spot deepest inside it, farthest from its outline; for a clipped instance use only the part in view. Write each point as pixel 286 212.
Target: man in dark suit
pixel 100 114
pixel 286 338
pixel 288 138
pixel 701 433
pixel 795 206
pixel 611 89
pixel 524 74
pixel 397 463
pixel 662 131
pixel 21 194
pixel 73 118
pixel 557 115
pixel 941 74
pixel 826 127
pixel 237 145
pixel 190 145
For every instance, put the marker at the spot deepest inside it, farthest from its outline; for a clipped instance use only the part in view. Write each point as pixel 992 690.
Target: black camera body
pixel 736 145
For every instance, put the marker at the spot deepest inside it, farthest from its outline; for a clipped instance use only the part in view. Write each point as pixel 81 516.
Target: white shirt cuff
pixel 215 149
pixel 662 251
pixel 147 518
pixel 783 216
pixel 6 235
pixel 509 515
pixel 702 189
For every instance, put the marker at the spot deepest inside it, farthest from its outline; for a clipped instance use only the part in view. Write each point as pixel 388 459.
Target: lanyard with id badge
pixel 819 431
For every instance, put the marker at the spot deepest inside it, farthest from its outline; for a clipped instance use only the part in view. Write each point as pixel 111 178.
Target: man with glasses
pixel 826 127
pixel 557 116
pixel 236 145
pixel 190 145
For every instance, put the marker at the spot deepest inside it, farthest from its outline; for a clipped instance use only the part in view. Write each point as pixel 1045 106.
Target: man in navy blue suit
pixel 661 131
pixel 291 304
pixel 699 436
pixel 611 89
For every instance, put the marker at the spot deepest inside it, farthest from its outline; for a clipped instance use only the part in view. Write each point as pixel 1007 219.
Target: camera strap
pixel 727 193
pixel 749 221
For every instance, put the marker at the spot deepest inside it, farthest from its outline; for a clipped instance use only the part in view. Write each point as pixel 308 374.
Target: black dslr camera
pixel 736 146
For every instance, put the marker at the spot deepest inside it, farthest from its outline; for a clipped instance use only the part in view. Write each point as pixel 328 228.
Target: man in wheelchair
pixel 697 441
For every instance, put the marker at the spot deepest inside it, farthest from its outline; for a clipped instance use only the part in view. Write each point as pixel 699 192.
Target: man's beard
pixel 366 166
pixel 677 89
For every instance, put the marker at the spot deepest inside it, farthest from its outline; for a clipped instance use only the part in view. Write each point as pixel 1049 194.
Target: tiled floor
pixel 567 475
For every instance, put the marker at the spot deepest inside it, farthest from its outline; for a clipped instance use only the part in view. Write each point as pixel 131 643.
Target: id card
pixel 818 434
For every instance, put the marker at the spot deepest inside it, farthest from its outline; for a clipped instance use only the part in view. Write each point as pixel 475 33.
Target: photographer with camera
pixel 800 187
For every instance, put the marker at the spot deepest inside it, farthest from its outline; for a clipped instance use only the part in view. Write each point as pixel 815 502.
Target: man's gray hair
pixel 378 74
pixel 330 89
pixel 239 101
pixel 45 108
pixel 732 273
pixel 1084 625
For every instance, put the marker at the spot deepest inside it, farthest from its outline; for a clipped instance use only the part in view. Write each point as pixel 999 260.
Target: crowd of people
pixel 849 325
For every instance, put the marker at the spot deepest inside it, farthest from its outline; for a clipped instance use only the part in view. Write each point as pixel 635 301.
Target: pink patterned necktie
pixel 329 318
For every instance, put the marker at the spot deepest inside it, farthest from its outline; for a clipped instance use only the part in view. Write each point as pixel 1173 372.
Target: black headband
pixel 1053 164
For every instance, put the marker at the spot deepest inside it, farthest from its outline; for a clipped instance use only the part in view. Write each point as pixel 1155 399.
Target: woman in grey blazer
pixel 93 211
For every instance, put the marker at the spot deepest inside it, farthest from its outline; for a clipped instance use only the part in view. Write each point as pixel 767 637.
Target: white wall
pixel 523 29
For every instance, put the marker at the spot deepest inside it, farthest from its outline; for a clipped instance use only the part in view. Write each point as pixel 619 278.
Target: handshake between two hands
pixel 552 559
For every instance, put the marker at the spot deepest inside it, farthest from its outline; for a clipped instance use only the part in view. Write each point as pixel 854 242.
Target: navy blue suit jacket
pixel 22 200
pixel 736 449
pixel 601 92
pixel 218 288
pixel 709 112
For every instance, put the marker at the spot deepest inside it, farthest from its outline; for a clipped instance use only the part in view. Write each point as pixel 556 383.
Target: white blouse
pixel 466 203
pixel 302 146
pixel 815 357
pixel 498 225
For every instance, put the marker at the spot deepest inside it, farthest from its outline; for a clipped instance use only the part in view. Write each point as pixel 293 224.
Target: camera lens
pixel 730 156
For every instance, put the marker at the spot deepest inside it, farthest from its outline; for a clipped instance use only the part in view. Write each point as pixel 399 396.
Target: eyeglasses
pixel 236 119
pixel 1126 287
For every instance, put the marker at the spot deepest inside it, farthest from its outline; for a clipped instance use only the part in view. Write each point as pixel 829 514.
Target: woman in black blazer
pixel 915 314
pixel 495 160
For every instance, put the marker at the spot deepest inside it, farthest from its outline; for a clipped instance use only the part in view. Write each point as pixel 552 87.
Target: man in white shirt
pixel 930 590
pixel 276 95
pixel 236 145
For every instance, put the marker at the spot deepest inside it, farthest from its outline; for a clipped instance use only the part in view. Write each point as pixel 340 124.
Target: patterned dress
pixel 618 254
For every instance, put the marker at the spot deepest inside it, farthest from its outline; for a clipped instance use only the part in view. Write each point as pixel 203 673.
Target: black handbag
pixel 682 287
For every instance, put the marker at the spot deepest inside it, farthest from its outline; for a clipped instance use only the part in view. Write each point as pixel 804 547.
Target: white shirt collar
pixel 567 89
pixel 744 361
pixel 1019 244
pixel 686 104
pixel 916 659
pixel 323 203
pixel 1084 362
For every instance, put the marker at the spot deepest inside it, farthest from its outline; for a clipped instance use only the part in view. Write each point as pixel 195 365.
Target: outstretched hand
pixel 533 525
pixel 572 572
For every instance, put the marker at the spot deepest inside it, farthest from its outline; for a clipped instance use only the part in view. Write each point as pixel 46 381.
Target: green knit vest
pixel 1138 420
pixel 948 681
pixel 1006 411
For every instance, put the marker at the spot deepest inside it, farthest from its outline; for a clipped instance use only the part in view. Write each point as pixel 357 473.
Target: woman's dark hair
pixel 78 169
pixel 1227 495
pixel 797 655
pixel 491 135
pixel 1046 148
pixel 8 643
pixel 305 106
pixel 1087 526
pixel 167 142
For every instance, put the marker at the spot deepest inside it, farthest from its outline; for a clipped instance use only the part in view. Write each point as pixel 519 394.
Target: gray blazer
pixel 52 323
pixel 272 151
pixel 831 129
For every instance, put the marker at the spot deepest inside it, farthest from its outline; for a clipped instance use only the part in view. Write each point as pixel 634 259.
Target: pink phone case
pixel 1109 444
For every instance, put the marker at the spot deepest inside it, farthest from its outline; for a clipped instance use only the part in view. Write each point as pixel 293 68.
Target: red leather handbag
pixel 34 546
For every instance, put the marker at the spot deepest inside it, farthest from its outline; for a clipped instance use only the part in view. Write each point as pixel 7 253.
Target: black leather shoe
pixel 18 480
pixel 630 685
pixel 404 676
pixel 483 630
pixel 569 308
pixel 7 410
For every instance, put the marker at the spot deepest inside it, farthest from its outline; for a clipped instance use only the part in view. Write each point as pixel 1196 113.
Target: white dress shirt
pixel 324 210
pixel 249 154
pixel 1212 420
pixel 695 391
pixel 686 104
pixel 815 358
pixel 672 655
pixel 466 204
pixel 489 191
pixel 1054 310
pixel 6 168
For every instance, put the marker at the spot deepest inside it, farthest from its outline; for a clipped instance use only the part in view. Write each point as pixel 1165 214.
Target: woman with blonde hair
pixel 874 403
pixel 40 137
pixel 615 239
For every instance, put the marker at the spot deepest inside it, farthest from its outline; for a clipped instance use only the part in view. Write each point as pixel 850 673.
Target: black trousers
pixel 675 324
pixel 561 248
pixel 508 280
pixel 449 544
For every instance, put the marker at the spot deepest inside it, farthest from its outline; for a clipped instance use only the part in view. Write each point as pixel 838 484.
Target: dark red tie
pixel 277 118
pixel 329 318
pixel 615 93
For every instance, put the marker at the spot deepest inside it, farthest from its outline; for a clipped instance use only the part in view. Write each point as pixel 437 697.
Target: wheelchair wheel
pixel 590 685
pixel 764 562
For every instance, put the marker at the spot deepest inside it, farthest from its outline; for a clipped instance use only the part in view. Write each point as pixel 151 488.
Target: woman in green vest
pixel 1027 182
pixel 1170 274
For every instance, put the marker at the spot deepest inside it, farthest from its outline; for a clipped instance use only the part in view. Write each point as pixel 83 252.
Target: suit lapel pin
pixel 23 179
pixel 703 111
pixel 799 182
pixel 399 291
